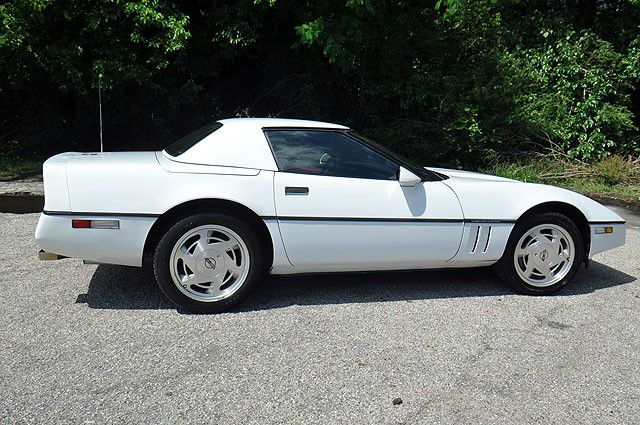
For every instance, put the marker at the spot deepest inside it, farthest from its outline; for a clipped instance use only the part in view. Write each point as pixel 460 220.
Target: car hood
pixel 468 175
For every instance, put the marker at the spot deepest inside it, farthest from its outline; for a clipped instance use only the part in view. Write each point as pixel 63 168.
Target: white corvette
pixel 242 197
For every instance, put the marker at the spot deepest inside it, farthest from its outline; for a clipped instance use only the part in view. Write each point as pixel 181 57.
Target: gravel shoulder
pixel 82 343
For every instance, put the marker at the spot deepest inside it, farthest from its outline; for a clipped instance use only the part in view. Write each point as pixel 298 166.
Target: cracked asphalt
pixel 99 344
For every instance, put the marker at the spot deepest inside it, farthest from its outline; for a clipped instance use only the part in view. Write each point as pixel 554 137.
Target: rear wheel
pixel 543 254
pixel 208 262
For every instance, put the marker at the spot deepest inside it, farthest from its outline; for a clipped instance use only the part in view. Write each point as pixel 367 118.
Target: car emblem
pixel 210 263
pixel 544 255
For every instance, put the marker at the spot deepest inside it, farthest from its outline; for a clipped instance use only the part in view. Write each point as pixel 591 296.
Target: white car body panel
pixel 362 224
pixel 136 183
pixel 123 246
pixel 506 199
pixel 482 244
pixel 173 166
pixel 342 224
pixel 605 242
pixel 483 197
pixel 55 185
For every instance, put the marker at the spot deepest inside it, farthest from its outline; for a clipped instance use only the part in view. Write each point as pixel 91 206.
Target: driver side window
pixel 328 153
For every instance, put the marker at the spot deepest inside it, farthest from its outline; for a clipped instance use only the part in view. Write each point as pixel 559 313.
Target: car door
pixel 340 207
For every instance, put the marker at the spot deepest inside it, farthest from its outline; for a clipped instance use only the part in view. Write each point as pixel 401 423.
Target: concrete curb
pixel 32 186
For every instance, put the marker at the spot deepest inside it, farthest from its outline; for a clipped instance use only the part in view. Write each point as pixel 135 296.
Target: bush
pixel 615 169
pixel 526 172
pixel 16 167
pixel 574 91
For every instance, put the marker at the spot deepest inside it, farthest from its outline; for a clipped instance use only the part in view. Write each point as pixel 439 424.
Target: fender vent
pixel 478 240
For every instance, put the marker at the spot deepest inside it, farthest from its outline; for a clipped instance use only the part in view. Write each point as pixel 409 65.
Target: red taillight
pixel 95 224
pixel 81 224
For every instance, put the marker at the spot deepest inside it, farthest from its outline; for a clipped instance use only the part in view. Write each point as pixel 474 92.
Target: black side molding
pixel 98 214
pixel 388 219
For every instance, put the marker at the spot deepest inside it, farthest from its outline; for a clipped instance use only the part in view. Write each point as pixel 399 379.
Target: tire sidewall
pixel 162 261
pixel 507 267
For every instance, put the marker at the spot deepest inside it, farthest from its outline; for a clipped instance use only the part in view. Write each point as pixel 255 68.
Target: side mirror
pixel 407 178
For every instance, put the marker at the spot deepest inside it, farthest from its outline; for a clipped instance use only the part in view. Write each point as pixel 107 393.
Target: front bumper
pixel 123 246
pixel 604 241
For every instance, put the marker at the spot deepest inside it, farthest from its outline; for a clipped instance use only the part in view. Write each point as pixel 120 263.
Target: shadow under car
pixel 119 287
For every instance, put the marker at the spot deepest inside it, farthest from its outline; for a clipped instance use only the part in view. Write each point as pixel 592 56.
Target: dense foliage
pixel 453 82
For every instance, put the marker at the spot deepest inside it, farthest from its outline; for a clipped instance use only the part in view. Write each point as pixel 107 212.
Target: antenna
pixel 100 107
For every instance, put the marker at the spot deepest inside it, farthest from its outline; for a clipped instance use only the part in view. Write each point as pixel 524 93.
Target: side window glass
pixel 328 153
pixel 185 143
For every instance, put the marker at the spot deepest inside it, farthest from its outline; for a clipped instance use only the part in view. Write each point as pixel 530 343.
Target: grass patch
pixel 613 177
pixel 13 168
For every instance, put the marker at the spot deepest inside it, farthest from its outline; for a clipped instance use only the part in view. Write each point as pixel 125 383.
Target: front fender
pixel 509 200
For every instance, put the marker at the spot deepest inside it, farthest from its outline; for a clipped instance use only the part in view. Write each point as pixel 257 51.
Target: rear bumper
pixel 123 246
pixel 604 241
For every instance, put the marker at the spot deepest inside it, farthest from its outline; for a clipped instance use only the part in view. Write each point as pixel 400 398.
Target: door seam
pixel 275 209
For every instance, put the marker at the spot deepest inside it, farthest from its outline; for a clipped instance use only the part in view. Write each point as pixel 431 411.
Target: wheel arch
pixel 185 209
pixel 568 210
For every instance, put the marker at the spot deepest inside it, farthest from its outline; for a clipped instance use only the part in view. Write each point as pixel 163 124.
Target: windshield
pixel 408 164
pixel 185 143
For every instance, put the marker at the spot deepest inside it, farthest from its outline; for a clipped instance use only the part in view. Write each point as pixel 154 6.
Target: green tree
pixel 454 82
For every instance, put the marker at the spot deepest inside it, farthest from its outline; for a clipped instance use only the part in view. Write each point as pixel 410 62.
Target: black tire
pixel 507 269
pixel 162 258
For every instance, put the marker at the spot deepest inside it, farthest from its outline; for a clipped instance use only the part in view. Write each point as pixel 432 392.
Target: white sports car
pixel 239 198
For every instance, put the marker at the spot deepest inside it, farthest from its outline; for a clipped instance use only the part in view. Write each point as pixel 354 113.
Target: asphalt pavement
pixel 96 344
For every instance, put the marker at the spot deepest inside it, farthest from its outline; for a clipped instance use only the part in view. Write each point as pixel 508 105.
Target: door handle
pixel 296 190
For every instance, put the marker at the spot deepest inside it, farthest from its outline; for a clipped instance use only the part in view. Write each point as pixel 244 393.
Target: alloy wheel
pixel 544 255
pixel 209 263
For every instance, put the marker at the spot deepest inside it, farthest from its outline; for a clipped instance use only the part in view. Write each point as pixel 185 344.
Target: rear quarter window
pixel 185 143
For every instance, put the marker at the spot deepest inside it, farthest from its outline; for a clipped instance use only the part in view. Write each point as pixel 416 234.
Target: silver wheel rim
pixel 544 255
pixel 209 263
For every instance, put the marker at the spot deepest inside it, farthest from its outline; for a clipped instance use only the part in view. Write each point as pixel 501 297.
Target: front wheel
pixel 543 254
pixel 208 262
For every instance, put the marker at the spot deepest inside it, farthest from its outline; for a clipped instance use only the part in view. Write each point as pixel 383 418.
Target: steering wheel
pixel 328 162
